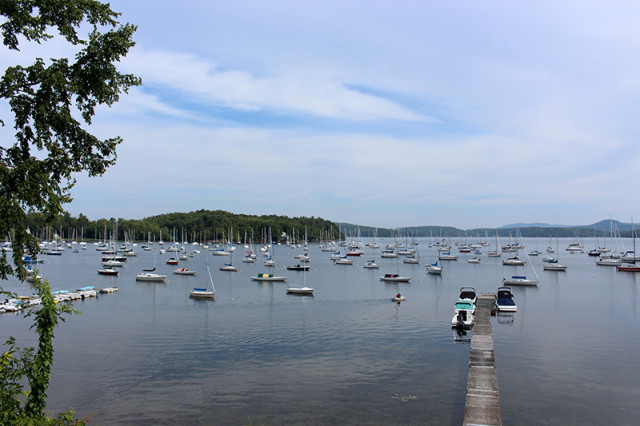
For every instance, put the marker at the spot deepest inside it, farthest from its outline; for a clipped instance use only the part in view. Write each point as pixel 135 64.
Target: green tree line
pixel 196 226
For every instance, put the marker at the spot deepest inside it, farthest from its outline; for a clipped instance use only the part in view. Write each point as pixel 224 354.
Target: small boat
pixel 371 264
pixel 300 290
pixel 172 261
pixel 411 260
pixel 504 300
pixel 554 267
pixel 150 276
pixel 608 261
pixel 519 280
pixel 434 268
pixel 112 263
pixel 268 277
pixel 108 290
pixel 298 267
pixel 473 260
pixel 107 271
pixel 204 293
pixel 628 267
pixel 228 267
pixel 463 314
pixel 468 293
pixel 344 261
pixel 513 261
pixel 446 255
pixel 184 271
pixel 394 278
pixel 398 298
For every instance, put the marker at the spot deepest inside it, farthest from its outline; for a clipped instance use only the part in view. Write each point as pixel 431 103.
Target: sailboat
pixel 304 290
pixel 554 266
pixel 395 277
pixel 150 274
pixel 631 266
pixel 204 293
pixel 434 268
pixel 521 279
pixel 412 258
pixel 229 266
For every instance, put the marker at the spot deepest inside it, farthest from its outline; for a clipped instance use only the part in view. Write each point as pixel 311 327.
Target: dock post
pixel 482 406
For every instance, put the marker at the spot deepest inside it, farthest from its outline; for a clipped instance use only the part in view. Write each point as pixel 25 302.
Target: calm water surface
pixel 150 355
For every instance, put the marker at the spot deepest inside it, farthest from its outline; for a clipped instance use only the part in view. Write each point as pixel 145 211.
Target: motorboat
pixel 344 261
pixel 468 293
pixel 107 271
pixel 473 260
pixel 463 314
pixel 504 300
pixel 519 280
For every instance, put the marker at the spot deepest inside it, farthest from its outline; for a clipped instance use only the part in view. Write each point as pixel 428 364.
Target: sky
pixel 379 113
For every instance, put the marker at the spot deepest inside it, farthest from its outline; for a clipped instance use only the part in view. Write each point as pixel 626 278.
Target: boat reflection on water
pixel 461 335
pixel 505 318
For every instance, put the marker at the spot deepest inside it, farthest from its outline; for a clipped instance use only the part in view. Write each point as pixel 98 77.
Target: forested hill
pixel 201 225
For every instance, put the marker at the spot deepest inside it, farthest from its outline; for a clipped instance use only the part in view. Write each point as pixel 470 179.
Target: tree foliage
pixel 51 104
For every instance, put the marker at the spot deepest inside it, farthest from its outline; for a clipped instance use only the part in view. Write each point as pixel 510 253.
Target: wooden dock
pixel 483 397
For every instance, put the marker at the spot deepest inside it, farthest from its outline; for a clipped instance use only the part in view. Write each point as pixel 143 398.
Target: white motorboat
pixel 463 314
pixel 468 293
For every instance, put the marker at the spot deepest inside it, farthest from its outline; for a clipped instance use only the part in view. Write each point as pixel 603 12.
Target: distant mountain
pixel 533 225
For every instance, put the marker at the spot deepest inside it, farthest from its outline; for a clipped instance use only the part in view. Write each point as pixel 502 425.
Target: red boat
pixel 628 267
pixel 354 253
pixel 172 261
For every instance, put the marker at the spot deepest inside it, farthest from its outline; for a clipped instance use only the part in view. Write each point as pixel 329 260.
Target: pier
pixel 482 406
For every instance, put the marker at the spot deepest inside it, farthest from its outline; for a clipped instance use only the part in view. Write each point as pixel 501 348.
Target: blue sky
pixel 379 113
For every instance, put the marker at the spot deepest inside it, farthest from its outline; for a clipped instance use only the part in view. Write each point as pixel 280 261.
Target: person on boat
pixel 398 296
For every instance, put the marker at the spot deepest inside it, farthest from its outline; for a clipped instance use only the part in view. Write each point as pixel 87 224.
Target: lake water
pixel 151 355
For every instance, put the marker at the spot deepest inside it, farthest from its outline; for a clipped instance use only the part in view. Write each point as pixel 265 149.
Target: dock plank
pixel 482 405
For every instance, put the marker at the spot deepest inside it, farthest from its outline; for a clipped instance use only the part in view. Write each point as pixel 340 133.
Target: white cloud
pixel 295 94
